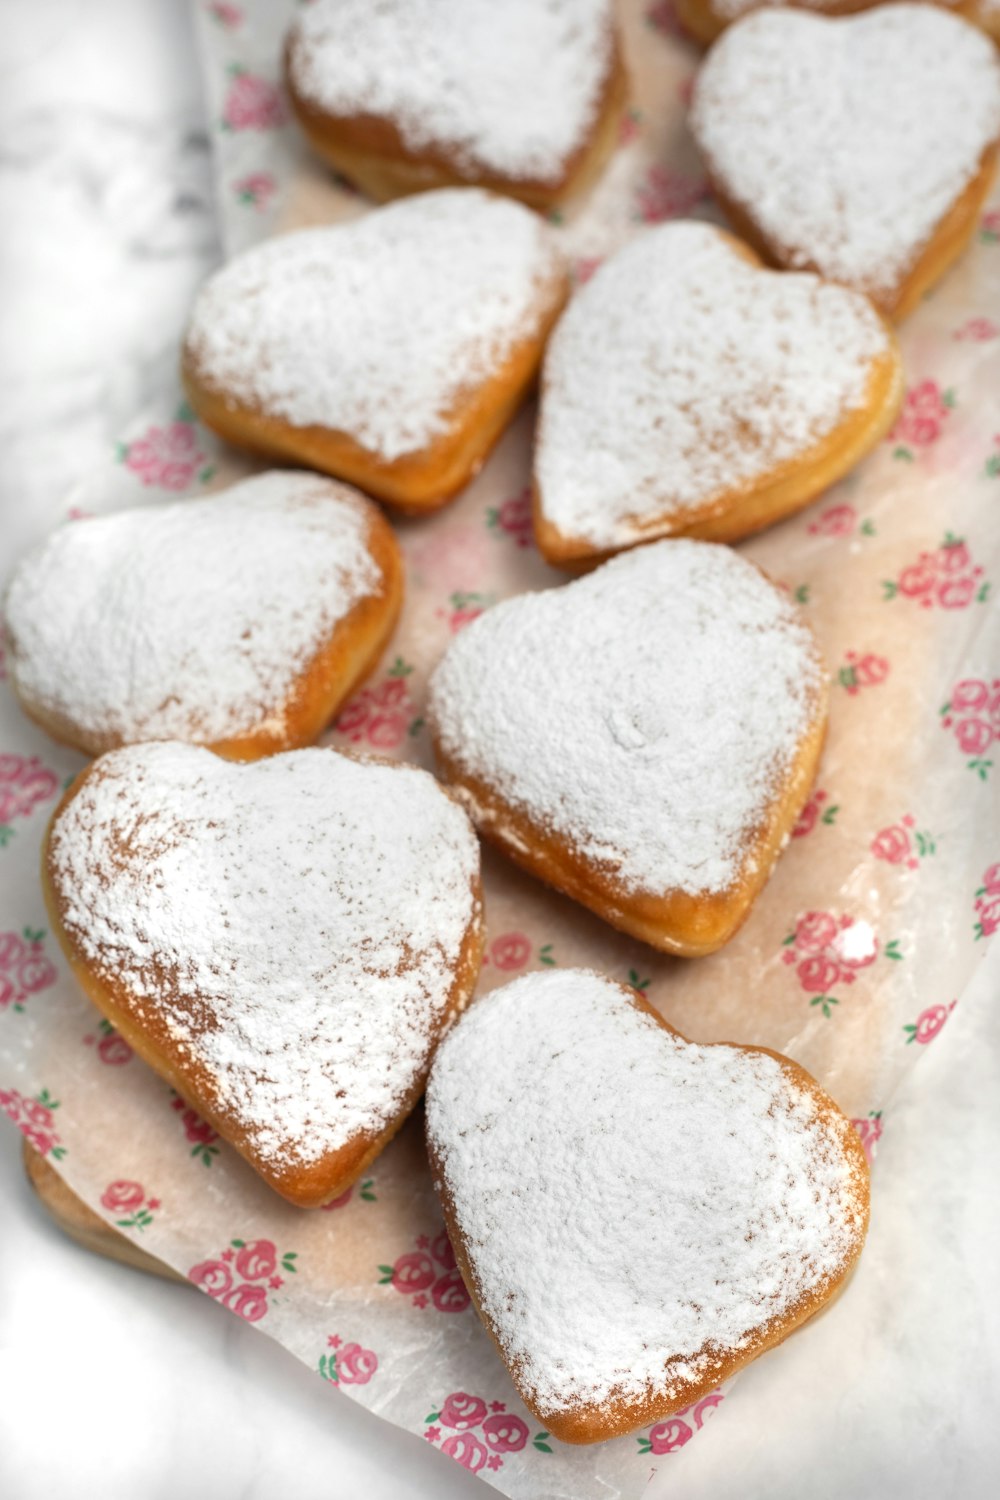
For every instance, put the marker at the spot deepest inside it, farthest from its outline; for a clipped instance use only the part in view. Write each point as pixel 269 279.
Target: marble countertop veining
pixel 113 1384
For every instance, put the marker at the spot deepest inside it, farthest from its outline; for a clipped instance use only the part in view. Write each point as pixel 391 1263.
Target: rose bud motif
pixel 413 1272
pixel 449 1293
pixel 817 974
pixel 815 930
pixel 974 736
pixel 466 1450
pixel 255 1259
pixel 249 1301
pixel 442 1251
pixel 462 1411
pixel 355 1366
pixel 667 1437
pixel 213 1276
pixel 123 1197
pixel 505 1433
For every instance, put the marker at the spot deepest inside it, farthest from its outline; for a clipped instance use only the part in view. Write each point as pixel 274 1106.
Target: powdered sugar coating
pixel 680 373
pixel 376 328
pixel 633 1206
pixel 296 922
pixel 461 75
pixel 848 140
pixel 644 714
pixel 191 620
pixel 730 9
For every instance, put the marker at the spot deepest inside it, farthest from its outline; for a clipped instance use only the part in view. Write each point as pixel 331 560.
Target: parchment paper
pixel 865 938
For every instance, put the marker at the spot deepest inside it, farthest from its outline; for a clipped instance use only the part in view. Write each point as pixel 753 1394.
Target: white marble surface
pixel 116 1385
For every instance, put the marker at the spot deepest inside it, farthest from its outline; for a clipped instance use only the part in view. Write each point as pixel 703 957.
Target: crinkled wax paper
pixel 865 938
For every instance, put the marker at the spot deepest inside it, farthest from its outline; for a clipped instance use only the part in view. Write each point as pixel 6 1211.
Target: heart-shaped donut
pixel 706 19
pixel 642 739
pixel 861 147
pixel 391 351
pixel 687 391
pixel 407 95
pixel 284 942
pixel 241 621
pixel 635 1216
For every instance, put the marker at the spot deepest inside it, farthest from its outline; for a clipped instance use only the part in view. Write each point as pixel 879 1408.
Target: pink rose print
pixel 818 973
pixel 902 844
pixel 350 1364
pixel 129 1198
pixel 513 518
pixel 928 1023
pixel 212 1276
pixel 442 1251
pixel 449 1292
pixel 167 457
pixel 366 1191
pixel 836 520
pixel 25 969
pixel 662 16
pixel 255 190
pixel 979 330
pixel 671 1435
pixel 827 951
pixel 502 1432
pixel 815 929
pixel 630 127
pixel 870 1131
pixel 840 520
pixel 381 716
pixel 946 577
pixel 228 16
pixel 862 671
pixel 988 904
pixel 412 1273
pixel 972 713
pixel 197 1131
pixel 249 1301
pixel 989 228
pixel 924 413
pixel 465 1450
pixel 112 1049
pixel 122 1197
pixel 464 608
pixel 584 269
pixel 256 1259
pixel 462 1411
pixel 814 812
pixel 429 1268
pixel 505 1433
pixel 34 1118
pixel 668 195
pixel 24 782
pixel 511 951
pixel 252 103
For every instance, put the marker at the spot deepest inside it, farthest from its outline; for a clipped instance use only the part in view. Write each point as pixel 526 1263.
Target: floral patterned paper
pixel 884 902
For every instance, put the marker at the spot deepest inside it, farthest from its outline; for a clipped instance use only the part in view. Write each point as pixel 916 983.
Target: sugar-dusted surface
pixel 191 620
pixel 378 327
pixel 848 140
pixel 462 75
pixel 295 922
pixel 645 714
pixel 680 372
pixel 633 1206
